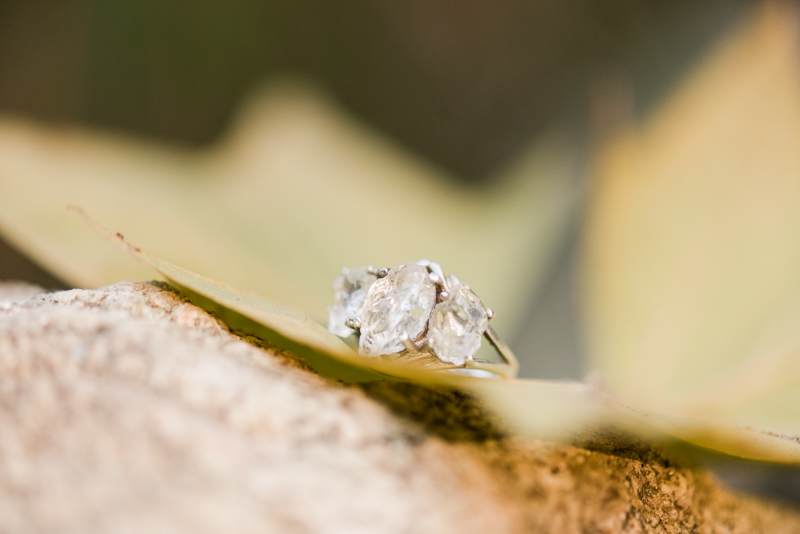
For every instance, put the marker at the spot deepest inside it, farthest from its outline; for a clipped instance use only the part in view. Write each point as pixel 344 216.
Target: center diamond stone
pixel 398 304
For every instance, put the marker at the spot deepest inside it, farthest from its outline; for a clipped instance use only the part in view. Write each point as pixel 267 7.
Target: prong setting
pixel 408 344
pixel 353 322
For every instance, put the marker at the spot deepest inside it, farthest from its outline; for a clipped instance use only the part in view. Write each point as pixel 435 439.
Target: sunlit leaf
pixel 692 263
pixel 294 193
pixel 556 410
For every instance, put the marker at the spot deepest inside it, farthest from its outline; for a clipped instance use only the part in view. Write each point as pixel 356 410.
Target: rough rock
pixel 128 409
pixel 18 291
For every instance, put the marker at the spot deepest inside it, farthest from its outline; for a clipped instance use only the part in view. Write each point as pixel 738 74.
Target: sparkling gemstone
pixel 457 324
pixel 350 289
pixel 398 304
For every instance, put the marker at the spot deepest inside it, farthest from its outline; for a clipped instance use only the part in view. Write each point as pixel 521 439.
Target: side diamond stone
pixel 350 289
pixel 398 304
pixel 457 325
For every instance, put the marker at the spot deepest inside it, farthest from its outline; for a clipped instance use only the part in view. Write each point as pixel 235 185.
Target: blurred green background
pixel 465 85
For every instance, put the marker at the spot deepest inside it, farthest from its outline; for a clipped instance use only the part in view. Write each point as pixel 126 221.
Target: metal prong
pixel 444 295
pixel 435 278
pixel 383 272
pixel 353 322
pixel 432 267
pixel 489 313
pixel 410 347
pixel 505 352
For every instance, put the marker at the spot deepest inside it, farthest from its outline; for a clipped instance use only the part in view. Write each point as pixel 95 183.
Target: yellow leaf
pixel 554 410
pixel 294 193
pixel 692 264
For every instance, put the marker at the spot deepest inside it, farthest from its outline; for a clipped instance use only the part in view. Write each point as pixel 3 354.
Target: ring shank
pixel 509 369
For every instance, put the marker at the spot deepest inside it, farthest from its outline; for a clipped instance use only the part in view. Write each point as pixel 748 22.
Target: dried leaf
pixel 297 191
pixel 555 410
pixel 693 249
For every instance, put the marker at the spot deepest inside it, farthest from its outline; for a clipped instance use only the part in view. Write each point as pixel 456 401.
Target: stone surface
pixel 349 289
pixel 18 291
pixel 457 325
pixel 400 303
pixel 127 409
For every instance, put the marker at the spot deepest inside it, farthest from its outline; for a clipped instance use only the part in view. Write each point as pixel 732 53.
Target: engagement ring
pixel 415 312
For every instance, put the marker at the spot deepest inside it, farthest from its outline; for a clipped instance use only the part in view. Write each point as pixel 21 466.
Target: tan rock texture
pixel 128 409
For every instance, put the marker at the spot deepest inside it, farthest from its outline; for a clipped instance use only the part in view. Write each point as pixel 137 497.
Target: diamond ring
pixel 416 312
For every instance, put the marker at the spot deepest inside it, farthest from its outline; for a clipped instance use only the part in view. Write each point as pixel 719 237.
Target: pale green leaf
pixel 296 191
pixel 554 410
pixel 692 266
